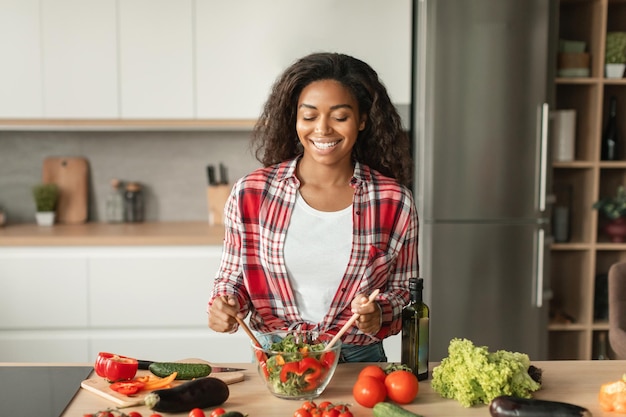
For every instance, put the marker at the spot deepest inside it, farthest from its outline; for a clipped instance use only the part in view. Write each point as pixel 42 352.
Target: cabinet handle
pixel 543 156
pixel 541 238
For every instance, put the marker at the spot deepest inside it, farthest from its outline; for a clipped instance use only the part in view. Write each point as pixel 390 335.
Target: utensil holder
pixel 217 195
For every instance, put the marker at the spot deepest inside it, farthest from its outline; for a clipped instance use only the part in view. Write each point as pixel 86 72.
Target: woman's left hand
pixel 370 319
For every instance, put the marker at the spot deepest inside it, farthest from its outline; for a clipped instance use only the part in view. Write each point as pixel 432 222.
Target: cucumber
pixel 200 393
pixel 507 406
pixel 384 409
pixel 185 370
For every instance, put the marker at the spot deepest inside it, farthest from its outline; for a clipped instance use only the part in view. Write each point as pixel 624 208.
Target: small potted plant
pixel 614 209
pixel 46 197
pixel 615 58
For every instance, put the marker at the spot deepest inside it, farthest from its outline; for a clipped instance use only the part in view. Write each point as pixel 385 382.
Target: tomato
pixel 330 413
pixel 324 405
pixel 316 412
pixel 105 414
pixel 134 414
pixel 308 405
pixel 369 391
pixel 375 371
pixel 402 386
pixel 217 412
pixel 155 415
pixel 197 412
pixel 127 387
pixel 346 413
pixel 301 412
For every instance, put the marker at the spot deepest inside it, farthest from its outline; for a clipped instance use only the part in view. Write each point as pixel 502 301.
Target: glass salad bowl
pixel 296 365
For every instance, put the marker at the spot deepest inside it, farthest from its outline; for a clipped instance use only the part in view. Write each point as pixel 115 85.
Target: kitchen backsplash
pixel 170 165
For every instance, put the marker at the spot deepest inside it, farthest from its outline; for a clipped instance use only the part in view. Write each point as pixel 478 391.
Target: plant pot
pixel 45 218
pixel 616 230
pixel 615 70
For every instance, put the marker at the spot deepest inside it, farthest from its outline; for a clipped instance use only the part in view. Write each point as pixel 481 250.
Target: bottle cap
pixel 133 186
pixel 416 284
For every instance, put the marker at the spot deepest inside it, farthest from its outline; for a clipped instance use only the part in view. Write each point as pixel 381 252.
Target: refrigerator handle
pixel 540 265
pixel 543 156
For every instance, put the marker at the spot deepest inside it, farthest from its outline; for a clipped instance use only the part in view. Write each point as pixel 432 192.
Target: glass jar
pixel 133 197
pixel 115 203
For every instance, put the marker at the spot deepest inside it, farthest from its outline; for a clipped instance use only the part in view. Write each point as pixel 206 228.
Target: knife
pixel 143 364
pixel 210 169
pixel 223 174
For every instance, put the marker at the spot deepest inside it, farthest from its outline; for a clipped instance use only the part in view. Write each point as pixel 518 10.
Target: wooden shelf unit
pixel 578 263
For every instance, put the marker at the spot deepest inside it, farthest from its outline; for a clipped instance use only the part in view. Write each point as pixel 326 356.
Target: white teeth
pixel 325 145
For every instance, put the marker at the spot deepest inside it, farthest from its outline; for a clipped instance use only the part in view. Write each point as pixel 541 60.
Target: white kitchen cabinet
pixel 79 58
pixel 243 46
pixel 152 287
pixel 156 59
pixel 67 304
pixel 44 346
pixel 20 49
pixel 42 289
pixel 174 344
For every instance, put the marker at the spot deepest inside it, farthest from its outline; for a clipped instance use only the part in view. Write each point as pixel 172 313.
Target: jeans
pixel 367 353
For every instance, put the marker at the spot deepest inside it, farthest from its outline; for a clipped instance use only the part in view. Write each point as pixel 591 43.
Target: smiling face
pixel 328 123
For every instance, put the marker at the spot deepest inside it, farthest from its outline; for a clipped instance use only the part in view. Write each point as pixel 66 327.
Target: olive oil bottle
pixel 415 329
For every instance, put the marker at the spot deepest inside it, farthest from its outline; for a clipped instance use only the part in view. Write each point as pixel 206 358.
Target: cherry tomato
pixel 217 412
pixel 197 412
pixel 346 413
pixel 330 413
pixel 134 414
pixel 375 371
pixel 324 405
pixel 402 386
pixel 316 412
pixel 369 391
pixel 155 415
pixel 301 412
pixel 105 414
pixel 308 405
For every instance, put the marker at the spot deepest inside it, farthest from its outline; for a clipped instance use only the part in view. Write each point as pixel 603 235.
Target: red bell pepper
pixel 127 387
pixel 114 367
pixel 309 368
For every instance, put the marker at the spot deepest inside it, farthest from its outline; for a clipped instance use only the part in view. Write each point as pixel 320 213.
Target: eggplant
pixel 509 406
pixel 198 393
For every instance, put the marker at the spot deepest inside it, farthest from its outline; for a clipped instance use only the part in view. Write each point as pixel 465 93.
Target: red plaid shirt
pixel 384 251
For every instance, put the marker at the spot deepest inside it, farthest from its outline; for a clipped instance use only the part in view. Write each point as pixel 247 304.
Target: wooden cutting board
pixel 100 386
pixel 71 176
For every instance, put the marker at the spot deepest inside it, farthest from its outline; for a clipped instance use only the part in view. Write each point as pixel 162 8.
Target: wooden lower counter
pixel 105 234
pixel 576 382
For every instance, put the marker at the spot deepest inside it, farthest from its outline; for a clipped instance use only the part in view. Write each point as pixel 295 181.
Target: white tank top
pixel 317 250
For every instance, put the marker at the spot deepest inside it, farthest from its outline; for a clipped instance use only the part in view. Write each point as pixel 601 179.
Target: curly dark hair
pixel 383 145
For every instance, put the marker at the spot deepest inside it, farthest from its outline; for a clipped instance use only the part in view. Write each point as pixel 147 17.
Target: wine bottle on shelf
pixel 610 143
pixel 415 330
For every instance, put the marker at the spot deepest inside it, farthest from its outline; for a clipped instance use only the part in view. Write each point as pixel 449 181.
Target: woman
pixel 329 218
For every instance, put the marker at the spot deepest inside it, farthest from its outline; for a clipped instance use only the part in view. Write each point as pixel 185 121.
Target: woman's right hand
pixel 223 314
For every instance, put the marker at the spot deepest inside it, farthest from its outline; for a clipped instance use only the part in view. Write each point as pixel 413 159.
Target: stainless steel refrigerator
pixel 482 180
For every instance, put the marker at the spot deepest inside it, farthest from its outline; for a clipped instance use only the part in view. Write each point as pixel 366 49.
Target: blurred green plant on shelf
pixel 615 48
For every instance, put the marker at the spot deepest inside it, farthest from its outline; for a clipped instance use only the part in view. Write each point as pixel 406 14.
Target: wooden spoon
pixel 350 322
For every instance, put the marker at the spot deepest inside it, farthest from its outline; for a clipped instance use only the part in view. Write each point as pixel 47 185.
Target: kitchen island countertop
pixel 576 382
pixel 106 234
